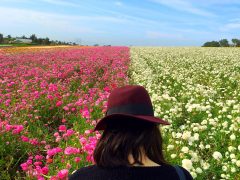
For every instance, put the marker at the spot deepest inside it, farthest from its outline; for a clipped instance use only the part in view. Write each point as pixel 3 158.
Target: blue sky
pixel 123 22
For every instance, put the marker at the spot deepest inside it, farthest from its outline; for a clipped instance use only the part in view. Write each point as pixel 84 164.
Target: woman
pixel 131 144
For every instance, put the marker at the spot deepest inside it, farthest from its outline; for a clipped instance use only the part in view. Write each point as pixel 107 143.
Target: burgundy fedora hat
pixel 129 101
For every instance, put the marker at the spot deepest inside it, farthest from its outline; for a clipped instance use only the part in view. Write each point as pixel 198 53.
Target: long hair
pixel 125 136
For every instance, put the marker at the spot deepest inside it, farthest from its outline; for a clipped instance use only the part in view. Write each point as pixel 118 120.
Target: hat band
pixel 135 109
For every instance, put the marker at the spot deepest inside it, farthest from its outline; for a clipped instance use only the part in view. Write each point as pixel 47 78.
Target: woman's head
pixel 121 139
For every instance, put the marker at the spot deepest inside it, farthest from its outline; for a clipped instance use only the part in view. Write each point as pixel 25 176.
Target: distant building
pixel 20 40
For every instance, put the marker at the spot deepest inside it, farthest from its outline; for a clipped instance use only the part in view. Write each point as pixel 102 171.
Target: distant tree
pixel 95 45
pixel 211 44
pixel 236 42
pixel 46 41
pixel 9 36
pixel 23 37
pixel 33 37
pixel 40 41
pixel 1 38
pixel 224 43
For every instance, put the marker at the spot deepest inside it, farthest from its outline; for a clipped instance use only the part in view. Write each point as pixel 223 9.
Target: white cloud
pixel 159 35
pixel 118 3
pixel 26 16
pixel 183 5
pixel 234 24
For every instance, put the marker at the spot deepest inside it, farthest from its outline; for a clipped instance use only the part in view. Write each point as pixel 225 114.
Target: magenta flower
pixel 52 152
pixel 71 150
pixel 24 166
pixel 62 128
pixel 59 103
pixel 45 170
pixel 77 159
pixel 62 174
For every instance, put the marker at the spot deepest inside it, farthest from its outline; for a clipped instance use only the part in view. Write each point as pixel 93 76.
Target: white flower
pixel 205 165
pixel 233 137
pixel 231 148
pixel 185 149
pixel 238 163
pixel 207 146
pixel 201 146
pixel 224 168
pixel 194 175
pixel 217 155
pixel 233 169
pixel 186 135
pixel 194 157
pixel 196 136
pixel 178 135
pixel 187 164
pixel 170 147
pixel 173 156
pixel 199 170
pixel 232 156
pixel 195 129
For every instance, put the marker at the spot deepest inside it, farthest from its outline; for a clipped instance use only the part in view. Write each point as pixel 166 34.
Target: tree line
pixel 35 40
pixel 222 43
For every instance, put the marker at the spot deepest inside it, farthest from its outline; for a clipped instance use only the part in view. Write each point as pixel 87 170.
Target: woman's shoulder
pixel 93 170
pixel 82 171
pixel 186 172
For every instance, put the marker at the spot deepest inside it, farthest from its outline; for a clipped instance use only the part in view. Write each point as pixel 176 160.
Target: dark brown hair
pixel 125 136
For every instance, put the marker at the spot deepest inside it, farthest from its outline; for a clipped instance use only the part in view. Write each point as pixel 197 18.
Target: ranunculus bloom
pixel 52 152
pixel 24 138
pixel 71 150
pixel 77 159
pixel 62 174
pixel 59 103
pixel 24 166
pixel 62 128
pixel 45 170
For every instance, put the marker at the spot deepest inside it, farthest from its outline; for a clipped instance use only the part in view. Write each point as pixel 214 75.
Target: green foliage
pixel 1 38
pixel 211 44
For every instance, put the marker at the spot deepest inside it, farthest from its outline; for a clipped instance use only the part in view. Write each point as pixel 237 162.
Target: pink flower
pixel 85 113
pixel 83 140
pixel 52 152
pixel 68 133
pixel 17 129
pixel 24 166
pixel 59 103
pixel 56 134
pixel 66 108
pixel 38 157
pixel 62 174
pixel 37 163
pixel 87 132
pixel 77 159
pixel 24 138
pixel 8 127
pixel 62 128
pixel 33 141
pixel 50 97
pixel 45 170
pixel 71 150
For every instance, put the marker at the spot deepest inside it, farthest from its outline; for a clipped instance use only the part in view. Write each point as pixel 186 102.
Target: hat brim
pixel 101 125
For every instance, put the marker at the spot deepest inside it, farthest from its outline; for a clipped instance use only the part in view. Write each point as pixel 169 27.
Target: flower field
pixel 51 99
pixel 197 90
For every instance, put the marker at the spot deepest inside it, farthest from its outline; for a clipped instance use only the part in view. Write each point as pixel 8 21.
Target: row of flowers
pixel 197 90
pixel 50 102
